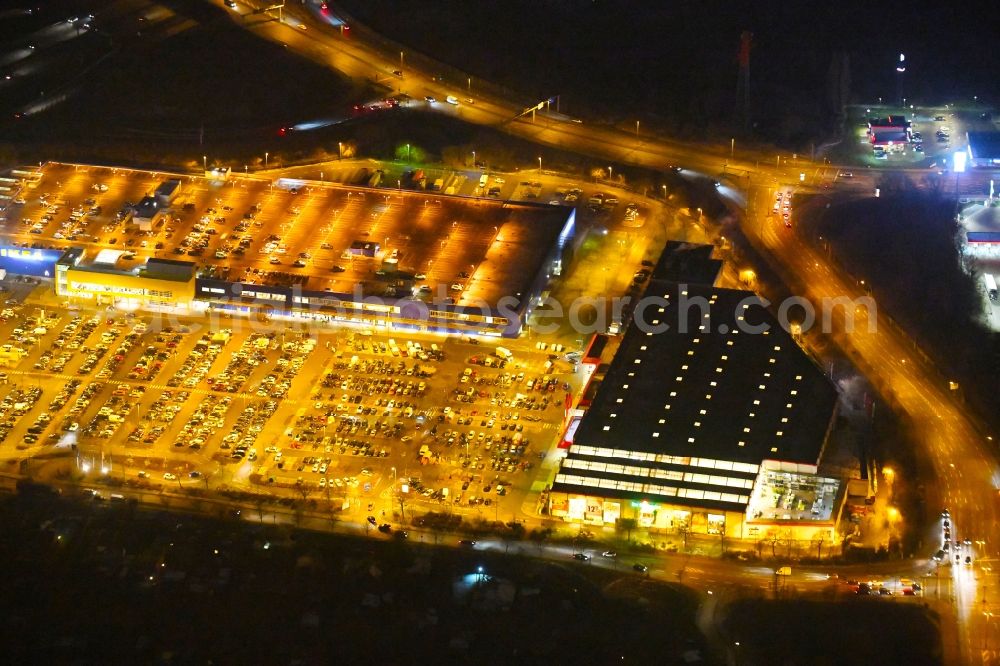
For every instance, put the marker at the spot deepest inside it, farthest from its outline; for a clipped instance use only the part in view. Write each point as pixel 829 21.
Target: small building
pixel 891 134
pixel 687 263
pixel 984 149
pixel 147 213
pixel 168 191
pixel 160 282
pixel 888 123
pixel 892 140
pixel 364 248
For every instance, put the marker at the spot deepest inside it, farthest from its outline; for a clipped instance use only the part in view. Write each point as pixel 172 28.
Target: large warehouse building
pixel 715 425
pixel 391 259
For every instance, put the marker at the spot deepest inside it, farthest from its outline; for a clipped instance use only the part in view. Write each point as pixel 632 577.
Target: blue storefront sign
pixel 36 262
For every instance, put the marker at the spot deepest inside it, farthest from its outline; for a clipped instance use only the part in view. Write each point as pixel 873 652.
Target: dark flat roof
pixel 890 121
pixel 147 207
pixel 690 263
pixel 983 236
pixel 886 135
pixel 170 269
pixel 984 145
pixel 732 395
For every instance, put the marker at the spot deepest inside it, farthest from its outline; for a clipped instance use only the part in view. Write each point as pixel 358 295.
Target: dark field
pixel 113 584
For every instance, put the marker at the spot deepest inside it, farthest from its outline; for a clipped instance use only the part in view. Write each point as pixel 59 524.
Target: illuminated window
pixel 690 440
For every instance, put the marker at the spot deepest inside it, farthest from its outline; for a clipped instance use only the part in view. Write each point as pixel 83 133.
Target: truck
pixel 991 286
pixel 504 353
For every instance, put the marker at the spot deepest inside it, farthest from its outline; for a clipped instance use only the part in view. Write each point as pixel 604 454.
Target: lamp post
pixel 340 150
pixel 732 147
pixel 401 60
pixel 539 164
pixel 265 159
pixel 470 84
pixel 407 152
pixel 664 192
pixel 900 70
pixel 611 173
pixel 204 161
pixel 637 128
pixel 473 159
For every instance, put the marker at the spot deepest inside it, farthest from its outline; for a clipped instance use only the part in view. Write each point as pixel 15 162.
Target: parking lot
pixel 288 232
pixel 375 420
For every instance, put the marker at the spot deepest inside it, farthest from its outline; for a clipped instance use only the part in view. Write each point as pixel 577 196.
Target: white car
pixel 167 476
pixel 451 99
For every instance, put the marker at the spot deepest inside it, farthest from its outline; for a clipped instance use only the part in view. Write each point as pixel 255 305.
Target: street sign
pixel 368 486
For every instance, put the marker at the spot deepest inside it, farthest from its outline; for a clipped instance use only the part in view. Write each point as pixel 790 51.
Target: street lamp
pixel 407 152
pixel 732 147
pixel 900 70
pixel 265 159
pixel 611 173
pixel 204 160
pixel 340 150
pixel 664 191
pixel 539 164
pixel 401 60
pixel 637 128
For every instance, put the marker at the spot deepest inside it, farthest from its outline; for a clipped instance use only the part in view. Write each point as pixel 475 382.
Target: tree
pixel 626 525
pixel 539 536
pixel 684 529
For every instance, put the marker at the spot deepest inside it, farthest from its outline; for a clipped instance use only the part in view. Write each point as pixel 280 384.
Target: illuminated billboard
pixel 37 262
